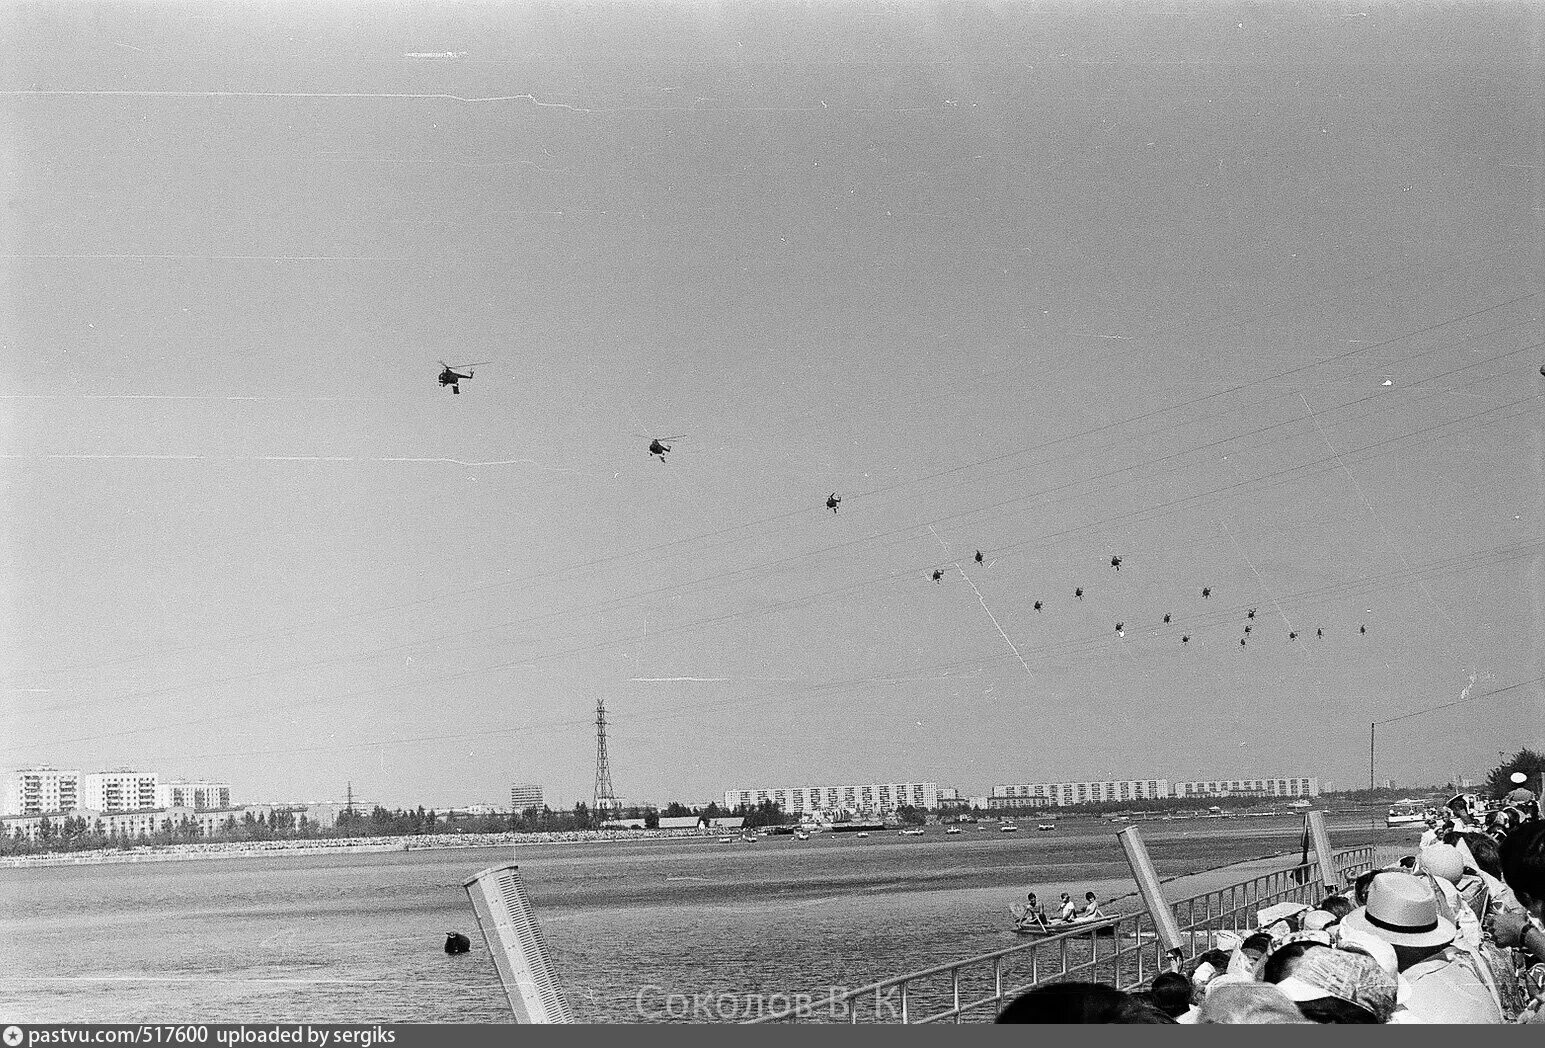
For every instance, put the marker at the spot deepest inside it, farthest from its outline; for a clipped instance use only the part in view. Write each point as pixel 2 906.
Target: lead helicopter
pixel 449 376
pixel 658 448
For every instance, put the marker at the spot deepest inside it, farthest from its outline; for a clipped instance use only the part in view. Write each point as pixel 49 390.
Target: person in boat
pixel 1069 908
pixel 1035 914
pixel 1091 910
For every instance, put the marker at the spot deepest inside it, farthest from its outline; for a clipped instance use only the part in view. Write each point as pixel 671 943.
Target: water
pixel 359 938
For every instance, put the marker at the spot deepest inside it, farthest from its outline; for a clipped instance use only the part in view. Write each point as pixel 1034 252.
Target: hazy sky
pixel 1248 295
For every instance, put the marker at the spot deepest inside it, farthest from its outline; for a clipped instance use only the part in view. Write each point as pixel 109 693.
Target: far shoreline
pixel 190 852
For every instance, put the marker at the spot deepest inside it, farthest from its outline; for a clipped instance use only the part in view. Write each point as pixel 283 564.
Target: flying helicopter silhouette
pixel 1292 634
pixel 1037 605
pixel 658 446
pixel 832 501
pixel 978 556
pixel 1362 629
pixel 1206 592
pixel 1115 562
pixel 1185 638
pixel 449 376
pixel 1079 593
pixel 1250 614
pixel 938 574
pixel 1166 617
pixel 1121 629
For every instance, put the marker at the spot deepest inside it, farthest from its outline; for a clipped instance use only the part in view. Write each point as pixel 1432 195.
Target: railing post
pixel 1322 853
pixel 1148 884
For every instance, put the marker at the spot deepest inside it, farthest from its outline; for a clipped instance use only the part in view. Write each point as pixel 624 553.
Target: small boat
pixel 1008 827
pixel 801 835
pixel 1045 826
pixel 953 829
pixel 749 838
pixel 861 834
pixel 1099 925
pixel 726 840
pixel 911 833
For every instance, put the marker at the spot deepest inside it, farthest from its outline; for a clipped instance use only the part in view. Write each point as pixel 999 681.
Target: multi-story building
pixel 875 798
pixel 200 796
pixel 1062 794
pixel 1299 787
pixel 523 796
pixel 122 790
pixel 37 791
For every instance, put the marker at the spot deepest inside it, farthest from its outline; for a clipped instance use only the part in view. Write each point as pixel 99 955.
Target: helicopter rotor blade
pixel 476 364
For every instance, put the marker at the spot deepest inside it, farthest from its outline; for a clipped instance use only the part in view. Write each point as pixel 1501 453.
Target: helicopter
pixel 449 376
pixel 832 501
pixel 1115 562
pixel 938 574
pixel 658 446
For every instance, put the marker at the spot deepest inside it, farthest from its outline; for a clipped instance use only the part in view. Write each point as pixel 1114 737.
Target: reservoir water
pixel 635 928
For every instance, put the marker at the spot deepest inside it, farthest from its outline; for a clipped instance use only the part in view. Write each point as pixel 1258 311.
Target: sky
pixel 1247 295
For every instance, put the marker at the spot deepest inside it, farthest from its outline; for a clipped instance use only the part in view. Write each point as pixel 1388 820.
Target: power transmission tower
pixel 605 797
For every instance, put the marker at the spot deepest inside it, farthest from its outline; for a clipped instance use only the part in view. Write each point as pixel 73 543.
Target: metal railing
pixel 1123 951
pixel 1233 908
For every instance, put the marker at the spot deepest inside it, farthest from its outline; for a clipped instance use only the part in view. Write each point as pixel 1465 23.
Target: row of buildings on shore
pixel 130 804
pixel 880 798
pixel 38 791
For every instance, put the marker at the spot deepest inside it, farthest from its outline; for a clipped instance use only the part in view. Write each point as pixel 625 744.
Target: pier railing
pixel 1125 951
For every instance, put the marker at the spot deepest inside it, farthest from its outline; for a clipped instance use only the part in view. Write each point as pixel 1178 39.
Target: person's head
pixel 1522 858
pixel 1075 1002
pixel 1484 849
pixel 1443 861
pixel 1089 896
pixel 1171 993
pixel 1281 962
pixel 1255 946
pixel 1066 897
pixel 1403 911
pixel 1318 920
pixel 1250 1003
pixel 1339 905
pixel 1339 986
pixel 1031 897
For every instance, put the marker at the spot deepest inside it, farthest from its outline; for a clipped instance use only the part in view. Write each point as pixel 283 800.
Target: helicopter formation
pixel 1168 618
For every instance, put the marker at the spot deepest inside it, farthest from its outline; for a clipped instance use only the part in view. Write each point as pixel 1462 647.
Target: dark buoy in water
pixel 455 942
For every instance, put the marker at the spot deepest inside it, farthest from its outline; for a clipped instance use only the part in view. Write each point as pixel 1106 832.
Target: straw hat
pixel 1403 911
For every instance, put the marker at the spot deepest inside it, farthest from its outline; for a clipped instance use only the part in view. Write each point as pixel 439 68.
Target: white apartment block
pixel 874 798
pixel 123 790
pixel 36 791
pixel 1299 787
pixel 1062 794
pixel 198 795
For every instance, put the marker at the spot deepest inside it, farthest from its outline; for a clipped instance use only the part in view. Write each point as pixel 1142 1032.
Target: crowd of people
pixel 1451 934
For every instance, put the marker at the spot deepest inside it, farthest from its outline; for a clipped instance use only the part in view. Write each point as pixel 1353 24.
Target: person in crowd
pixel 1448 984
pixel 1255 946
pixel 1522 858
pixel 1171 994
pixel 1283 960
pixel 1339 905
pixel 1339 986
pixel 1069 908
pixel 1076 1002
pixel 1091 910
pixel 1250 1003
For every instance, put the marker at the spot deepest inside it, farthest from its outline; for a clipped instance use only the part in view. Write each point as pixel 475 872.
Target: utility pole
pixel 1371 726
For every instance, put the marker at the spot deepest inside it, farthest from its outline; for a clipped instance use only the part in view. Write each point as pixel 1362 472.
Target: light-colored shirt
pixel 1448 988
